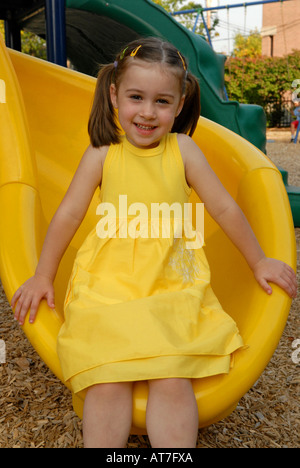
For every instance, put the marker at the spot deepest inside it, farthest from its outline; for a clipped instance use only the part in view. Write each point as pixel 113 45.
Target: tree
pixel 266 81
pixel 33 45
pixel 2 28
pixel 247 46
pixel 30 43
pixel 188 20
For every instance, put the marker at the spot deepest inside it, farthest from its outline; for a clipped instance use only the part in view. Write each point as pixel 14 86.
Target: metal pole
pixel 12 35
pixel 196 22
pixel 206 29
pixel 55 11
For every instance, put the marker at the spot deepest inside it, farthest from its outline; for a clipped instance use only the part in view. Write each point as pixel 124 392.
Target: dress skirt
pixel 139 309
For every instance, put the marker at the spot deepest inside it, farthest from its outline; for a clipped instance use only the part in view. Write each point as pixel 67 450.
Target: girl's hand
pixel 278 272
pixel 29 296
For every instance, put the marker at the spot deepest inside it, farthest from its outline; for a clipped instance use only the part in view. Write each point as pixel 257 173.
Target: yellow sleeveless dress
pixel 140 306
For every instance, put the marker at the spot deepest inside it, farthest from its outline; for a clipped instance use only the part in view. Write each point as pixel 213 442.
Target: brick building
pixel 281 28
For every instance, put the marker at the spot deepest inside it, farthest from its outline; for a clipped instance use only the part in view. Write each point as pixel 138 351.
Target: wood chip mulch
pixel 36 409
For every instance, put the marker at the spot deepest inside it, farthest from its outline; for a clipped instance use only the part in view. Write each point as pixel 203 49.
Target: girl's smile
pixel 148 100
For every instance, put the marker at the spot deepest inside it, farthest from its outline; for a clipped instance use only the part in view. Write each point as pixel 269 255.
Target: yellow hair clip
pixel 183 62
pixel 135 51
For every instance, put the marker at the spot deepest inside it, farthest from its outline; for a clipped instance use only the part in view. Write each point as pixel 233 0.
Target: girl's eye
pixel 163 101
pixel 136 97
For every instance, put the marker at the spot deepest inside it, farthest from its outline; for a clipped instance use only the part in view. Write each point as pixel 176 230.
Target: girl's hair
pixel 103 124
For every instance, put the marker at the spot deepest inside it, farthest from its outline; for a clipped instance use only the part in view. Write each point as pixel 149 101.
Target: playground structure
pixel 41 143
pixel 93 31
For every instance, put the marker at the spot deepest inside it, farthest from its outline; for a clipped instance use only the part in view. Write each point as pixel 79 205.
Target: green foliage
pixel 247 46
pixel 266 81
pixel 2 28
pixel 31 44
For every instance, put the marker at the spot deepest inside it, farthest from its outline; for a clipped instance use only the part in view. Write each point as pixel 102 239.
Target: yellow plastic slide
pixel 43 132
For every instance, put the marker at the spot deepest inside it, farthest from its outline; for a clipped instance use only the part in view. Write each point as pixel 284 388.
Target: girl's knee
pixel 110 390
pixel 171 387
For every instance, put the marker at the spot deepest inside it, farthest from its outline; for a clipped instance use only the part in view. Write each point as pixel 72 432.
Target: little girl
pixel 141 307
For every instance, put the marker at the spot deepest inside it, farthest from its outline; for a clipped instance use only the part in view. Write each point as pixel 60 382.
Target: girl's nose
pixel 148 111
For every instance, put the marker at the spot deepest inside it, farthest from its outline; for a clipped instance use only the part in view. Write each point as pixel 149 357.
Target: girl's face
pixel 148 100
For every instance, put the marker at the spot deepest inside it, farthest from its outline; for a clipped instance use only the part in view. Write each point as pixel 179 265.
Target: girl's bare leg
pixel 107 415
pixel 172 414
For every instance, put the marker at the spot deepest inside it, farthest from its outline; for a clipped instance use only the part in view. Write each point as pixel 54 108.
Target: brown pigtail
pixel 187 120
pixel 102 127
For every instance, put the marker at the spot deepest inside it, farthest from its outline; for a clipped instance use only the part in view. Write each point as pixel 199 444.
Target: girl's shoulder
pixel 91 164
pixel 183 140
pixel 190 151
pixel 96 153
pixel 95 157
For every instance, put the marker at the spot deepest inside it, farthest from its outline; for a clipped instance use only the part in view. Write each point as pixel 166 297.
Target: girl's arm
pixel 61 230
pixel 225 211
